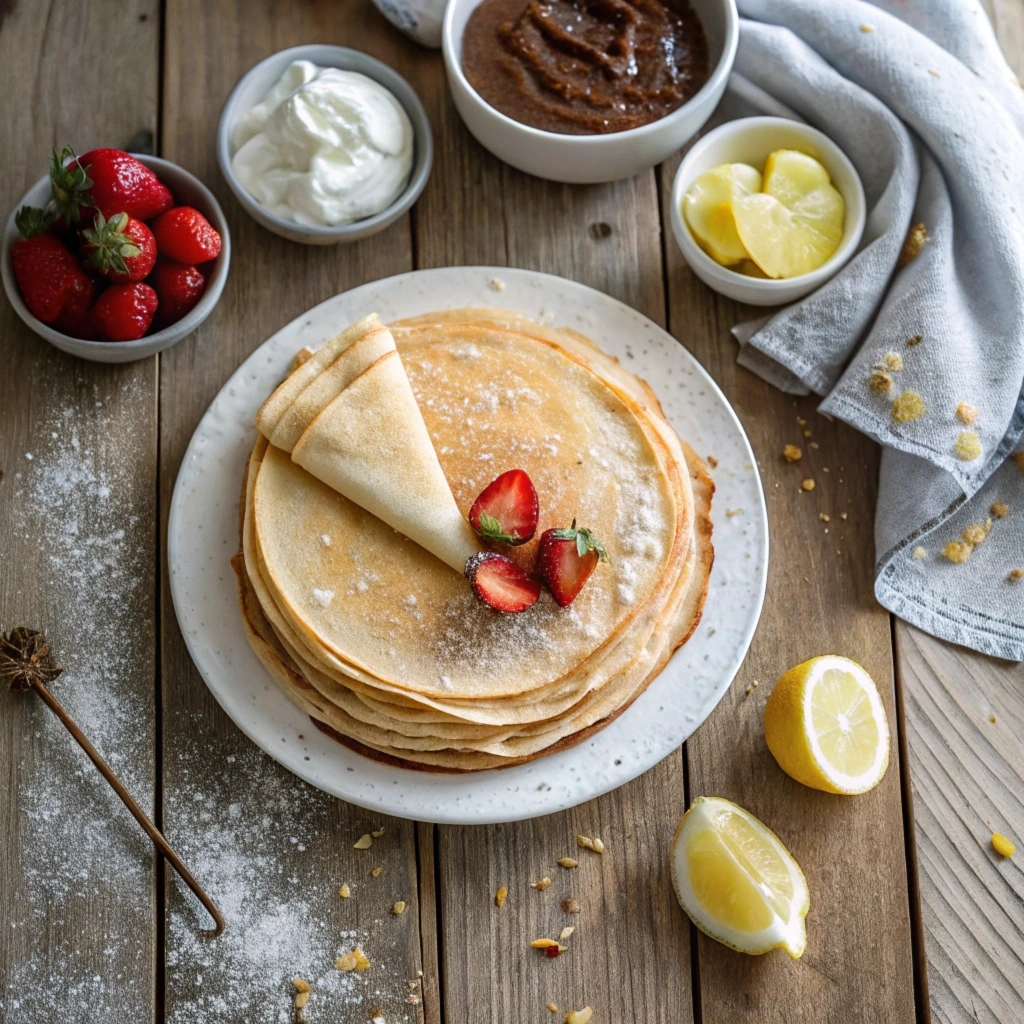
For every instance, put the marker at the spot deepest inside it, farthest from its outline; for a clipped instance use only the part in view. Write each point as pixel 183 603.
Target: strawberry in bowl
pixel 88 228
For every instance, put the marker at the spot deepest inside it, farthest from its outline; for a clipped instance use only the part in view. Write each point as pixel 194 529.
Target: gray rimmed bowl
pixel 257 82
pixel 187 190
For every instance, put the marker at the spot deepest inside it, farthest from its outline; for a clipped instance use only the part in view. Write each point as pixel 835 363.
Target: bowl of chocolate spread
pixel 587 90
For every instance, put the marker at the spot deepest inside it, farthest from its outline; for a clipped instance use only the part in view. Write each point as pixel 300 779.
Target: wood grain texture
pixel 629 957
pixel 78 544
pixel 858 963
pixel 305 850
pixel 965 718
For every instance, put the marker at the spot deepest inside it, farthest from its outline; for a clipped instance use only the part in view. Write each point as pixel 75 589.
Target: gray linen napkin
pixel 918 95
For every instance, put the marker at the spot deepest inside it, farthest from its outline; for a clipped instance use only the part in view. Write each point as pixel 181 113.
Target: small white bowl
pixel 257 82
pixel 187 190
pixel 750 140
pixel 587 159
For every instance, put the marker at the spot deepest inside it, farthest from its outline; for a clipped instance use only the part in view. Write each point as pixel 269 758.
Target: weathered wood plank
pixel 858 963
pixel 629 958
pixel 272 849
pixel 965 717
pixel 78 537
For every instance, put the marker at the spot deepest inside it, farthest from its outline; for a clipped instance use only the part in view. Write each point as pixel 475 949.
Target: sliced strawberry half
pixel 500 583
pixel 506 510
pixel 565 560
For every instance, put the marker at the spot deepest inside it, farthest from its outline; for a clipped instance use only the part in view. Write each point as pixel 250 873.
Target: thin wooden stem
pixel 137 812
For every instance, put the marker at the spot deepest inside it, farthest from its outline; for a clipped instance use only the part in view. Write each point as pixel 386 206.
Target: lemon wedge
pixel 707 209
pixel 736 880
pixel 795 223
pixel 825 725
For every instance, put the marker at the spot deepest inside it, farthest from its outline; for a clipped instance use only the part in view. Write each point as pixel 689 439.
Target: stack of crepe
pixel 354 535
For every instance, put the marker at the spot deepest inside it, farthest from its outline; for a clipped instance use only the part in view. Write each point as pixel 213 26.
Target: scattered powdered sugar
pixel 262 861
pixel 82 861
pixel 325 539
pixel 323 597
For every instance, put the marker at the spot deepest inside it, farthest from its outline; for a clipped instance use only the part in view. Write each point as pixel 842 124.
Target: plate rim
pixel 539 808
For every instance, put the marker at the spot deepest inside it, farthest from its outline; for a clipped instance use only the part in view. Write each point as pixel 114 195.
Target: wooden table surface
pixel 912 916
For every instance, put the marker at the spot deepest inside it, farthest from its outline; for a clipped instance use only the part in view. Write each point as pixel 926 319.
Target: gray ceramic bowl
pixel 188 190
pixel 256 83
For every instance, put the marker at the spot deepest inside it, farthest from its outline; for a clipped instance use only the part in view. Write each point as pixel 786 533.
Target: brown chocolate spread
pixel 584 67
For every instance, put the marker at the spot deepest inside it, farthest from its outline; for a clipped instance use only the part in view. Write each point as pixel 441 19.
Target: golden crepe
pixel 379 642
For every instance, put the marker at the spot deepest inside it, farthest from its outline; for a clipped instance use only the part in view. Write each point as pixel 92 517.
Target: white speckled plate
pixel 203 535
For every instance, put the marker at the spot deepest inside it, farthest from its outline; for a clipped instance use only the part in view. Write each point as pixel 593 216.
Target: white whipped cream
pixel 324 147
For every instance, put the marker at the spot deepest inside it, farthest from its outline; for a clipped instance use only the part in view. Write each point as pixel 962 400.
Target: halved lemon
pixel 707 209
pixel 737 881
pixel 796 222
pixel 825 725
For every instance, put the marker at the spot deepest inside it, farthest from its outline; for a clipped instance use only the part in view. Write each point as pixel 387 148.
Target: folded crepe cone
pixel 349 417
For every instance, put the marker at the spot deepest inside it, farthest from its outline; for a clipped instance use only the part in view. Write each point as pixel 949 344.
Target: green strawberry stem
pixel 31 221
pixel 112 245
pixel 585 541
pixel 491 529
pixel 69 187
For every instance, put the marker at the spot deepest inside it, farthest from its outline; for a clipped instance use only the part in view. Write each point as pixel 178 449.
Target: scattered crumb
pixel 916 238
pixel 730 512
pixel 908 407
pixel 915 339
pixel 301 985
pixel 1016 575
pixel 842 515
pixel 552 1007
pixel 814 444
pixel 542 884
pixel 957 551
pixel 893 361
pixel 570 906
pixel 867 28
pixel 932 71
pixel 712 462
pixel 500 896
pixel 824 517
pixel 1018 457
pixel 399 908
pixel 565 933
pixel 976 533
pixel 345 892
pixel 377 870
pixel 992 719
pixel 808 484
pixel 496 284
pixel 364 842
pixel 966 413
pixel 579 1016
pixel 568 862
pixel 968 446
pixel 1002 845
pixel 919 553
pixel 807 433
pixel 379 832
pixel 1000 509
pixel 791 453
pixel 801 422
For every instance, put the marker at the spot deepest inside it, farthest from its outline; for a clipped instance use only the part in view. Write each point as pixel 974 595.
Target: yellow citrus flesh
pixel 825 725
pixel 707 210
pixel 796 222
pixel 737 881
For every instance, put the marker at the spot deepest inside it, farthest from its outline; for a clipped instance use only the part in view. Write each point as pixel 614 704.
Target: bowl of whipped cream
pixel 323 144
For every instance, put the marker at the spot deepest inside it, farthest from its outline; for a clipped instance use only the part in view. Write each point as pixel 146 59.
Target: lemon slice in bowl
pixel 707 210
pixel 825 725
pixel 736 881
pixel 795 223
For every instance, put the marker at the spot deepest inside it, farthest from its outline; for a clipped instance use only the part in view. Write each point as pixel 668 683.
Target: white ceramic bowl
pixel 586 159
pixel 749 140
pixel 187 190
pixel 256 83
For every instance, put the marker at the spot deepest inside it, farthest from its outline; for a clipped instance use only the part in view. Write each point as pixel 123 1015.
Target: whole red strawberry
pixel 121 249
pixel 110 180
pixel 125 311
pixel 77 318
pixel 565 560
pixel 500 583
pixel 184 235
pixel 507 509
pixel 46 271
pixel 178 287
